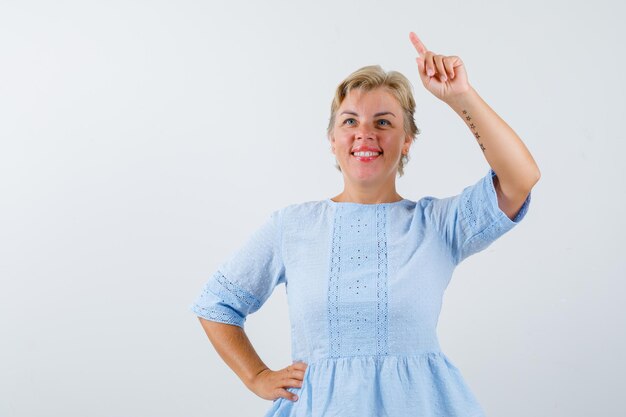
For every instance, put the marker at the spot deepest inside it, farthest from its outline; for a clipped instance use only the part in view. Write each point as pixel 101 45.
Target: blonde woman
pixel 365 270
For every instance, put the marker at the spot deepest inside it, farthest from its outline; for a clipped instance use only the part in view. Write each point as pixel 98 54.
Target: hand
pixel 271 385
pixel 444 76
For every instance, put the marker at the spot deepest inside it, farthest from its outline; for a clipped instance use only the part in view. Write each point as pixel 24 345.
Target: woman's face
pixel 375 120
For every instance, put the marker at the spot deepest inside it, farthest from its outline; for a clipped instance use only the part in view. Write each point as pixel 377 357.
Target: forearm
pixel 504 150
pixel 234 347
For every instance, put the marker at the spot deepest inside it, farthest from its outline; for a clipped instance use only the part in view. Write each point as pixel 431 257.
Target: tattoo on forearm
pixel 474 130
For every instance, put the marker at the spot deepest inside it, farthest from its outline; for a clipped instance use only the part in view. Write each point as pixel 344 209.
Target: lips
pixel 366 158
pixel 366 149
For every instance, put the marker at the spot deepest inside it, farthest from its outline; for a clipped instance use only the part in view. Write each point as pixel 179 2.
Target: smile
pixel 366 156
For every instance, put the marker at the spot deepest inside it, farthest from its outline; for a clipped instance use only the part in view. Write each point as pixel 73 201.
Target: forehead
pixel 373 100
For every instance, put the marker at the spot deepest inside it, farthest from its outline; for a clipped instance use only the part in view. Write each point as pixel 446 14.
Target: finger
pixel 441 70
pixel 297 367
pixel 421 70
pixel 430 65
pixel 449 64
pixel 293 382
pixel 417 43
pixel 295 373
pixel 281 392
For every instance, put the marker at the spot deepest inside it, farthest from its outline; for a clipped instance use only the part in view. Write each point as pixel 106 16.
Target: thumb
pixel 422 70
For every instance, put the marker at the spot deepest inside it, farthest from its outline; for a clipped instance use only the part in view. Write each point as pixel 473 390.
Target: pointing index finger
pixel 417 43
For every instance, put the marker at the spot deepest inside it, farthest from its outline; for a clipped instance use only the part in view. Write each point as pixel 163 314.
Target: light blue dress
pixel 364 284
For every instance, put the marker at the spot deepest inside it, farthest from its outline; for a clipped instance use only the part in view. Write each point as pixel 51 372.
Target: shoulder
pixel 429 202
pixel 298 211
pixel 303 209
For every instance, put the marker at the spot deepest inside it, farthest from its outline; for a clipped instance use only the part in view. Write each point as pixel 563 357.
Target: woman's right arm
pixel 232 344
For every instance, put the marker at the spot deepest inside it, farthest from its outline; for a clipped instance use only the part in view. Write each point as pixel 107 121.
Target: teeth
pixel 366 153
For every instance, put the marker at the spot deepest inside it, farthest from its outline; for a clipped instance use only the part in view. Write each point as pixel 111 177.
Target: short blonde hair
pixel 371 77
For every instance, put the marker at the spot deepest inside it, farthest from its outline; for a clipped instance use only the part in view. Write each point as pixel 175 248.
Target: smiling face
pixel 372 119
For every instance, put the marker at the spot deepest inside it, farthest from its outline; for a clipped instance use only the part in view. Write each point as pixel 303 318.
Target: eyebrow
pixel 382 113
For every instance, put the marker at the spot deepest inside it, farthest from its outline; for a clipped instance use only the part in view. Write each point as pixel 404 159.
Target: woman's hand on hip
pixel 444 76
pixel 271 385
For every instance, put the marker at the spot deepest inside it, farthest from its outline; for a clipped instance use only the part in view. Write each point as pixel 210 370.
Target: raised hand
pixel 444 76
pixel 271 385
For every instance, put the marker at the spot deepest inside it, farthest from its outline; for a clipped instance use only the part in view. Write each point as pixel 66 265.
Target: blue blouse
pixel 364 284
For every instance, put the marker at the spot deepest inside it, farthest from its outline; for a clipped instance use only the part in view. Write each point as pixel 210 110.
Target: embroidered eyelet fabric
pixel 364 284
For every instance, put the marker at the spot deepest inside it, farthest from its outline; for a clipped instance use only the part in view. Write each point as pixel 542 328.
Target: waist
pixel 371 359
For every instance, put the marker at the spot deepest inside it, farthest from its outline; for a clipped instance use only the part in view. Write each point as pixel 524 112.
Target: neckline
pixel 337 203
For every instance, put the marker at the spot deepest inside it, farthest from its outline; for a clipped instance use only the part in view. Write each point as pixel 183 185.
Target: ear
pixel 407 144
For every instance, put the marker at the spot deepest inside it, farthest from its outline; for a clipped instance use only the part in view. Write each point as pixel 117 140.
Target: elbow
pixel 531 180
pixel 536 180
pixel 536 173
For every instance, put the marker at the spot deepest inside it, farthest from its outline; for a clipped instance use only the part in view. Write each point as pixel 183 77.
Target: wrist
pixel 252 378
pixel 462 100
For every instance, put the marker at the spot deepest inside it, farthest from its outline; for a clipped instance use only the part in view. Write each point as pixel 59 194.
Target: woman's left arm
pixel 516 170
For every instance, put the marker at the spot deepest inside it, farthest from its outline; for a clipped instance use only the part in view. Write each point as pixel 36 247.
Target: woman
pixel 365 271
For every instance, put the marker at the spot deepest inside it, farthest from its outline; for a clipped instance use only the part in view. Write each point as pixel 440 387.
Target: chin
pixel 367 177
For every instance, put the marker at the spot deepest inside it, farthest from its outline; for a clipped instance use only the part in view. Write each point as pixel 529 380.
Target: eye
pixel 386 121
pixel 347 120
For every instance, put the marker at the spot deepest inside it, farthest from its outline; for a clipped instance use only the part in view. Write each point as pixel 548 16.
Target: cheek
pixel 342 141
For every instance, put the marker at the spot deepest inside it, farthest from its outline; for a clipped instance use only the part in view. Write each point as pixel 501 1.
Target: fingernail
pixel 295 398
pixel 444 78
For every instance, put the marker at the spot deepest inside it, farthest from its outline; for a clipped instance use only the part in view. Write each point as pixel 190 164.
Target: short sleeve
pixel 472 220
pixel 244 281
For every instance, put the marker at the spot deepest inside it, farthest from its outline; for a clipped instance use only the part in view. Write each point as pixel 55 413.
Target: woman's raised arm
pixel 446 78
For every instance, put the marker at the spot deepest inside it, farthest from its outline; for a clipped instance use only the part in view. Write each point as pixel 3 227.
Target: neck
pixel 367 196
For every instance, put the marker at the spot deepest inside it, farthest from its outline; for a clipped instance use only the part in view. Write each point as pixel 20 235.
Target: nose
pixel 365 132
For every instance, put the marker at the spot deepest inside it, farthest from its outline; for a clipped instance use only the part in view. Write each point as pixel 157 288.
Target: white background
pixel 141 142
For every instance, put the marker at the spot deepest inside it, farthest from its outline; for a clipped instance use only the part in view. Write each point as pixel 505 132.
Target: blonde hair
pixel 371 77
